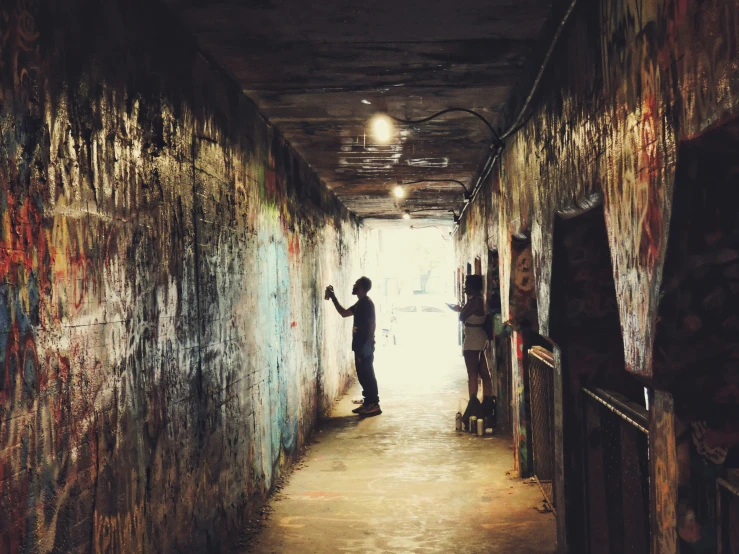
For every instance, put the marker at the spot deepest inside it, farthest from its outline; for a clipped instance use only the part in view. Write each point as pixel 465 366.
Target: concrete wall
pixel 164 343
pixel 628 82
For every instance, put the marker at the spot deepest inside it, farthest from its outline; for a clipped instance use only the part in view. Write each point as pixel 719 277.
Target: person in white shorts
pixel 473 315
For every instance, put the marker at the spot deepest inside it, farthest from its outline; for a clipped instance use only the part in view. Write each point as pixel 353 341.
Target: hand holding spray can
pixel 329 292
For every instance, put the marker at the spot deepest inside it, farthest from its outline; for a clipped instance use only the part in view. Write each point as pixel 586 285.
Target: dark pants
pixel 366 376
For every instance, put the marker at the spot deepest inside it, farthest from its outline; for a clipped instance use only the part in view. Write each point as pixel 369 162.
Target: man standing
pixel 363 343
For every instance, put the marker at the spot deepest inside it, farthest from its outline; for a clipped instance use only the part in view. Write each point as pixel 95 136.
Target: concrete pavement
pixel 405 481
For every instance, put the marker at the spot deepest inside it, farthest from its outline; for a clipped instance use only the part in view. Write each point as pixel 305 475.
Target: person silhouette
pixel 363 343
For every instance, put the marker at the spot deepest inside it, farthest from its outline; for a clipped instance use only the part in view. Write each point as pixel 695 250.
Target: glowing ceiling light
pixel 406 215
pixel 366 102
pixel 382 129
pixel 399 192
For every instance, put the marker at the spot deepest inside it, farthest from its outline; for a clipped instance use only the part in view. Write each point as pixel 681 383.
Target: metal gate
pixel 541 388
pixel 727 511
pixel 616 473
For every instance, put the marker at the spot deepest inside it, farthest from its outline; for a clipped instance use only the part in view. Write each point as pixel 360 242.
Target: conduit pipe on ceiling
pixel 494 155
pixel 496 138
pixel 419 181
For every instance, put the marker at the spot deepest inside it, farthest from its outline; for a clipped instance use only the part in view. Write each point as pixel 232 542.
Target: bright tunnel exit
pixel 413 275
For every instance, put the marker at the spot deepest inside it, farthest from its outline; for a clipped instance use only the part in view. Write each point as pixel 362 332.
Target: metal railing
pixel 541 388
pixel 616 473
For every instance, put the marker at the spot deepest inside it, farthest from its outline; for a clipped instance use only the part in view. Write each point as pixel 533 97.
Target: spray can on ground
pixel 472 425
pixel 480 427
pixel 458 421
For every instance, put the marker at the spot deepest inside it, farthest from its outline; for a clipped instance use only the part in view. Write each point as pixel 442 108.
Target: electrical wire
pixel 498 144
pixel 520 119
pixel 460 183
pixel 448 110
pixel 441 231
pixel 431 209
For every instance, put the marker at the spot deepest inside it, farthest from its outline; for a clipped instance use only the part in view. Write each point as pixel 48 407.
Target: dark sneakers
pixel 357 410
pixel 369 410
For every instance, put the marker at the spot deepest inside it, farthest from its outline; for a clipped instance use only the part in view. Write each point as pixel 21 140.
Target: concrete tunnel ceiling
pixel 320 71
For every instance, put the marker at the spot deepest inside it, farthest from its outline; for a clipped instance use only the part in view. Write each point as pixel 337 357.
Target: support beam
pixel 662 472
pixel 520 421
pixel 559 455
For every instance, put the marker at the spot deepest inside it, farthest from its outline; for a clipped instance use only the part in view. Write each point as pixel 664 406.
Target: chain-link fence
pixel 616 474
pixel 541 387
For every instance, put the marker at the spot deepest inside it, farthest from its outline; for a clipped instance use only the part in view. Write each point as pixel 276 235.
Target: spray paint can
pixel 480 427
pixel 458 421
pixel 472 425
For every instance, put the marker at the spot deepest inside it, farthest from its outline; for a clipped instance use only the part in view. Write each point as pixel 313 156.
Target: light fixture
pixel 365 101
pixel 398 191
pixel 406 215
pixel 382 128
pixel 496 147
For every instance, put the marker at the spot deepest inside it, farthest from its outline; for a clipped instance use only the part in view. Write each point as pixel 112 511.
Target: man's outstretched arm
pixel 339 308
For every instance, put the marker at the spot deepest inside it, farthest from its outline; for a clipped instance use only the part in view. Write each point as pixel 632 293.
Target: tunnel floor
pixel 406 481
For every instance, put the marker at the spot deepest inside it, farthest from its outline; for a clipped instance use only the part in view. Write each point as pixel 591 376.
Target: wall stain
pixel 629 82
pixel 162 357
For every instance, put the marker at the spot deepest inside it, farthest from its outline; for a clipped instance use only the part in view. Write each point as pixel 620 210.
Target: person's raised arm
pixel 339 308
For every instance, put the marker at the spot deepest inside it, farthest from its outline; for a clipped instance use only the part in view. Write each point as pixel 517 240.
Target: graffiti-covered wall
pixel 164 344
pixel 628 81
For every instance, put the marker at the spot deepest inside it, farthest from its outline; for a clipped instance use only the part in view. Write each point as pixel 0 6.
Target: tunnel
pixel 391 276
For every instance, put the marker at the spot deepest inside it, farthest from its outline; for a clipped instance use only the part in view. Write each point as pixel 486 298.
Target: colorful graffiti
pixel 523 314
pixel 162 256
pixel 640 77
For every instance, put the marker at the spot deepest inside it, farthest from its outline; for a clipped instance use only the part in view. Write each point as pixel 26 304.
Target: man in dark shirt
pixel 363 343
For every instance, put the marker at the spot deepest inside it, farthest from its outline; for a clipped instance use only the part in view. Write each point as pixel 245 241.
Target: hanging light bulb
pixel 382 128
pixel 398 192
pixel 406 215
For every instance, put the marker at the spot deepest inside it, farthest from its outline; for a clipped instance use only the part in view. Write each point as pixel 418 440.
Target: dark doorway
pixel 696 354
pixel 606 476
